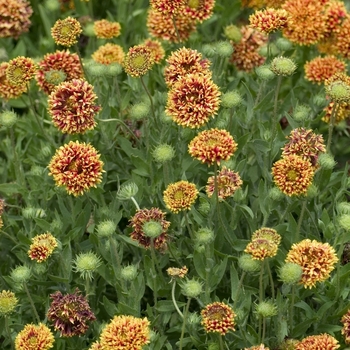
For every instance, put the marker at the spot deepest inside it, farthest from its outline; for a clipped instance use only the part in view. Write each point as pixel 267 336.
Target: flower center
pixel 18 72
pixel 33 340
pixel 292 175
pixel 178 195
pixel 65 30
pixel 139 62
pixel 193 4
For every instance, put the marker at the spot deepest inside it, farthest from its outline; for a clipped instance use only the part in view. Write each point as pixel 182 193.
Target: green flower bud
pixel 55 76
pixel 8 119
pixel 338 91
pixel 283 66
pixel 52 5
pixel 163 153
pixel 204 207
pixel 264 72
pixel 266 309
pixel 39 269
pixel 191 288
pixel 326 161
pixel 204 236
pixel 276 194
pixel 343 208
pixel 248 264
pixel 21 274
pixel 86 264
pixel 96 69
pixel 193 319
pixel 199 248
pixel 284 44
pixel 213 346
pixel 344 221
pixel 263 51
pixel 224 49
pixel 290 273
pixel 209 50
pixel 126 191
pixel 233 33
pixel 128 273
pixel 45 152
pixel 231 99
pixel 152 229
pixel 89 30
pixel 29 212
pixel 113 69
pixel 312 191
pixel 139 111
pixel 8 302
pixel 301 113
pixel 106 228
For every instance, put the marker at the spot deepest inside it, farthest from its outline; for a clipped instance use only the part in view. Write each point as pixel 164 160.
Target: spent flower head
pixel 266 309
pixel 283 66
pixel 163 153
pixel 231 99
pixel 8 302
pixel 129 273
pixel 191 288
pixel 127 191
pixel 106 228
pixel 248 264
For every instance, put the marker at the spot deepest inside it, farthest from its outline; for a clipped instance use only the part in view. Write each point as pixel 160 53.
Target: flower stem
pixel 32 303
pixel 188 225
pixel 136 204
pixel 8 331
pixel 263 330
pixel 300 220
pixel 184 321
pixel 174 300
pixel 271 280
pixel 331 125
pixel 291 312
pixel 149 96
pixel 176 30
pixel 221 342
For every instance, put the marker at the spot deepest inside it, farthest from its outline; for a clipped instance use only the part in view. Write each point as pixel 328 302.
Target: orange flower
pixel 316 342
pixel 125 332
pixel 106 30
pixel 63 61
pixel 76 166
pixel 228 182
pixel 268 20
pixel 218 317
pixel 156 49
pixel 162 27
pixel 176 272
pixel 342 39
pixel 72 108
pixel 322 68
pixel 109 53
pixel 66 31
pixel 34 337
pixel 168 7
pixel 14 18
pixel 8 90
pixel 342 113
pixel 138 61
pixel 246 52
pixel 315 258
pixel 199 10
pixel 345 320
pixel 336 13
pixel 20 70
pixel 212 145
pixel 96 346
pixel 293 175
pixel 262 3
pixel 180 196
pixel 258 347
pixel 42 247
pixel 182 62
pixel 192 100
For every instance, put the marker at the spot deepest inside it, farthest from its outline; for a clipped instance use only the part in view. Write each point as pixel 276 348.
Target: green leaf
pixel 217 274
pixel 109 306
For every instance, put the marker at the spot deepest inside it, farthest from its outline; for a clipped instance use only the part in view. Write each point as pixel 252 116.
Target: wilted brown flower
pixel 293 175
pixel 66 31
pixel 34 337
pixel 180 196
pixel 245 54
pixel 76 166
pixel 315 258
pixel 72 108
pixel 14 18
pixel 176 272
pixel 7 90
pixel 345 320
pixel 268 20
pixel 228 182
pixel 156 49
pixel 212 146
pixel 304 143
pixel 318 342
pixel 63 61
pixel 182 62
pixel 106 30
pixel 146 215
pixel 168 7
pixel 125 332
pixel 218 317
pixel 322 68
pixel 162 27
pixel 109 53
pixel 193 99
pixel 8 302
pixel 20 70
pixel 42 247
pixel 70 313
pixel 138 61
pixel 199 10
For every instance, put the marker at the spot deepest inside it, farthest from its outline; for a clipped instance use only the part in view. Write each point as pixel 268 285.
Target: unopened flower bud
pixel 263 51
pixel 343 208
pixel 290 273
pixel 209 50
pixel 88 30
pixel 224 49
pixel 301 113
pixel 191 288
pixel 114 69
pixel 248 264
pixel 204 236
pixel 8 302
pixel 39 269
pixel 28 212
pixel 126 191
pixel 128 273
pixel 344 221
pixel 233 33
pixel 139 111
pixel 326 161
pixel 55 76
pixel 276 194
pixel 86 264
pixel 106 228
pixel 338 91
pixel 163 153
pixel 52 5
pixel 20 274
pixel 194 319
pixel 264 72
pixel 283 66
pixel 284 44
pixel 213 346
pixel 8 119
pixel 204 207
pixel 152 229
pixel 231 99
pixel 96 69
pixel 266 309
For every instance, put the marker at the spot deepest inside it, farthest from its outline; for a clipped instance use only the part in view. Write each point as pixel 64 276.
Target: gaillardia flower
pixel 8 302
pixel 138 221
pixel 72 106
pixel 317 342
pixel 8 90
pixel 125 332
pixel 305 144
pixel 213 145
pixel 192 100
pixel 258 347
pixel 218 317
pixel 199 10
pixel 168 7
pixel 322 68
pixel 342 39
pixel 345 320
pixel 14 18
pixel 138 61
pixel 42 247
pixel 264 243
pixel 66 31
pixel 20 70
pixel 109 53
pixel 177 272
pixel 106 30
pixel 60 61
pixel 76 166
pixel 34 337
pixel 156 49
pixel 293 175
pixel 182 62
pixel 228 182
pixel 315 258
pixel 269 20
pixel 70 313
pixel 180 196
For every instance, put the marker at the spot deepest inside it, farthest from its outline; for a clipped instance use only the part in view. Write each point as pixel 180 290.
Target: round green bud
pixel 52 5
pixel 191 288
pixel 204 236
pixel 152 229
pixel 3 55
pixel 113 69
pixel 96 69
pixel 213 346
pixel 163 153
pixel 284 44
pixel 224 49
pixel 344 221
pixel 276 194
pixel 106 228
pixel 194 319
pixel 301 113
pixel 290 273
pixel 128 273
pixel 343 208
pixel 338 91
pixel 8 119
pixel 89 30
pixel 39 269
pixel 283 66
pixel 326 161
pixel 21 274
pixel 85 264
pixel 231 99
pixel 233 33
pixel 29 212
pixel 266 309
pixel 8 302
pixel 248 264
pixel 263 51
pixel 209 50
pixel 199 248
pixel 319 100
pixel 264 72
pixel 55 76
pixel 139 111
pixel 126 191
pixel 204 207
pixel 312 191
